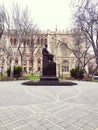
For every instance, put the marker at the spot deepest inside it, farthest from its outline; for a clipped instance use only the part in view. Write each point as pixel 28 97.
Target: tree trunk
pixel 22 65
pixel 32 66
pixel 12 68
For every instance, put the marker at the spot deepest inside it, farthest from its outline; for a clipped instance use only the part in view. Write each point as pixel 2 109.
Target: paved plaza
pixel 48 107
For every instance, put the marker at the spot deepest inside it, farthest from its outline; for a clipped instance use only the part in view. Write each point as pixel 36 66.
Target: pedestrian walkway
pixel 48 107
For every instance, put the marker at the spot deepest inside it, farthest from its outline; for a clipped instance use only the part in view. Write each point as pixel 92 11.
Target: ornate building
pixel 64 58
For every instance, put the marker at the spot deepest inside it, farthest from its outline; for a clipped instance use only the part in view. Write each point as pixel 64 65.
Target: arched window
pixel 16 60
pixel 10 60
pixel 38 40
pixel 41 40
pixel 38 68
pixel 24 62
pixel 65 66
pixel 13 41
pixel 28 41
pixel 30 60
pixel 39 61
pixel 45 41
pixel 3 60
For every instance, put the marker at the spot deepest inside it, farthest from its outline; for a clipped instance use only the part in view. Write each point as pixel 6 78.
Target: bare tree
pixel 4 18
pixel 2 15
pixel 25 30
pixel 19 24
pixel 87 21
pixel 78 47
pixel 34 47
pixel 79 3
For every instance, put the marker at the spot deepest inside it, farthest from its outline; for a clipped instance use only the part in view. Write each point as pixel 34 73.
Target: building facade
pixel 32 61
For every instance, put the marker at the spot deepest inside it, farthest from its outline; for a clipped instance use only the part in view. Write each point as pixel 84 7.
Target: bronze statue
pixel 47 62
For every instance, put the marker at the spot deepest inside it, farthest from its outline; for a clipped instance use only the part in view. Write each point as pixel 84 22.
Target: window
pixel 38 40
pixel 10 60
pixel 3 61
pixel 24 62
pixel 64 50
pixel 25 70
pixel 39 61
pixel 41 40
pixel 45 41
pixel 16 60
pixel 30 61
pixel 65 66
pixel 38 69
pixel 30 69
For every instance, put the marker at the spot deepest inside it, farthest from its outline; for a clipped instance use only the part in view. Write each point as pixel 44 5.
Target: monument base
pixel 49 81
pixel 48 78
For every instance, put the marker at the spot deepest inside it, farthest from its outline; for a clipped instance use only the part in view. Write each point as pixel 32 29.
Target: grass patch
pixel 25 77
pixel 31 77
pixel 0 78
pixel 4 76
pixel 95 80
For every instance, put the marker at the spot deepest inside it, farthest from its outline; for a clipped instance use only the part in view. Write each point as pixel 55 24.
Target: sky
pixel 48 14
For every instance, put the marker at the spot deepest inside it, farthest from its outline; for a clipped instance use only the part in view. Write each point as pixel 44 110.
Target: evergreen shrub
pixel 77 73
pixel 17 71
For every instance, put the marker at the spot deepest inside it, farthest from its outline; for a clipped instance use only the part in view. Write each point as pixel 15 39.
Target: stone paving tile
pixel 50 106
pixel 55 128
pixel 93 124
pixel 85 121
pixel 34 125
pixel 59 108
pixel 14 118
pixel 64 124
pixel 71 120
pixel 31 118
pixel 86 127
pixel 62 116
pixel 11 126
pixel 40 128
pixel 54 119
pixel 79 124
pixel 19 123
pixel 4 121
pixel 3 128
pixel 26 127
pixel 42 121
pixel 48 125
pixel 72 128
pixel 34 108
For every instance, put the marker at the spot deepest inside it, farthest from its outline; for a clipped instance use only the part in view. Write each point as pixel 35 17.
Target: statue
pixel 49 66
pixel 48 72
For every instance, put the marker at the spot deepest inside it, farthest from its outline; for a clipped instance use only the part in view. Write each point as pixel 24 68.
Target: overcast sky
pixel 47 13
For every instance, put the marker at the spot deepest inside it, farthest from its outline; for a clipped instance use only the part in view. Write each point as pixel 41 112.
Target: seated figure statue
pixel 47 58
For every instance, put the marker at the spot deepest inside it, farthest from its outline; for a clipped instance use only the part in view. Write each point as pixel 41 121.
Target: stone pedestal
pixel 50 73
pixel 48 78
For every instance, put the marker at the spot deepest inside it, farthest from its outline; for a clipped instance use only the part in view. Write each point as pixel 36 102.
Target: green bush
pixel 17 71
pixel 8 71
pixel 77 73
